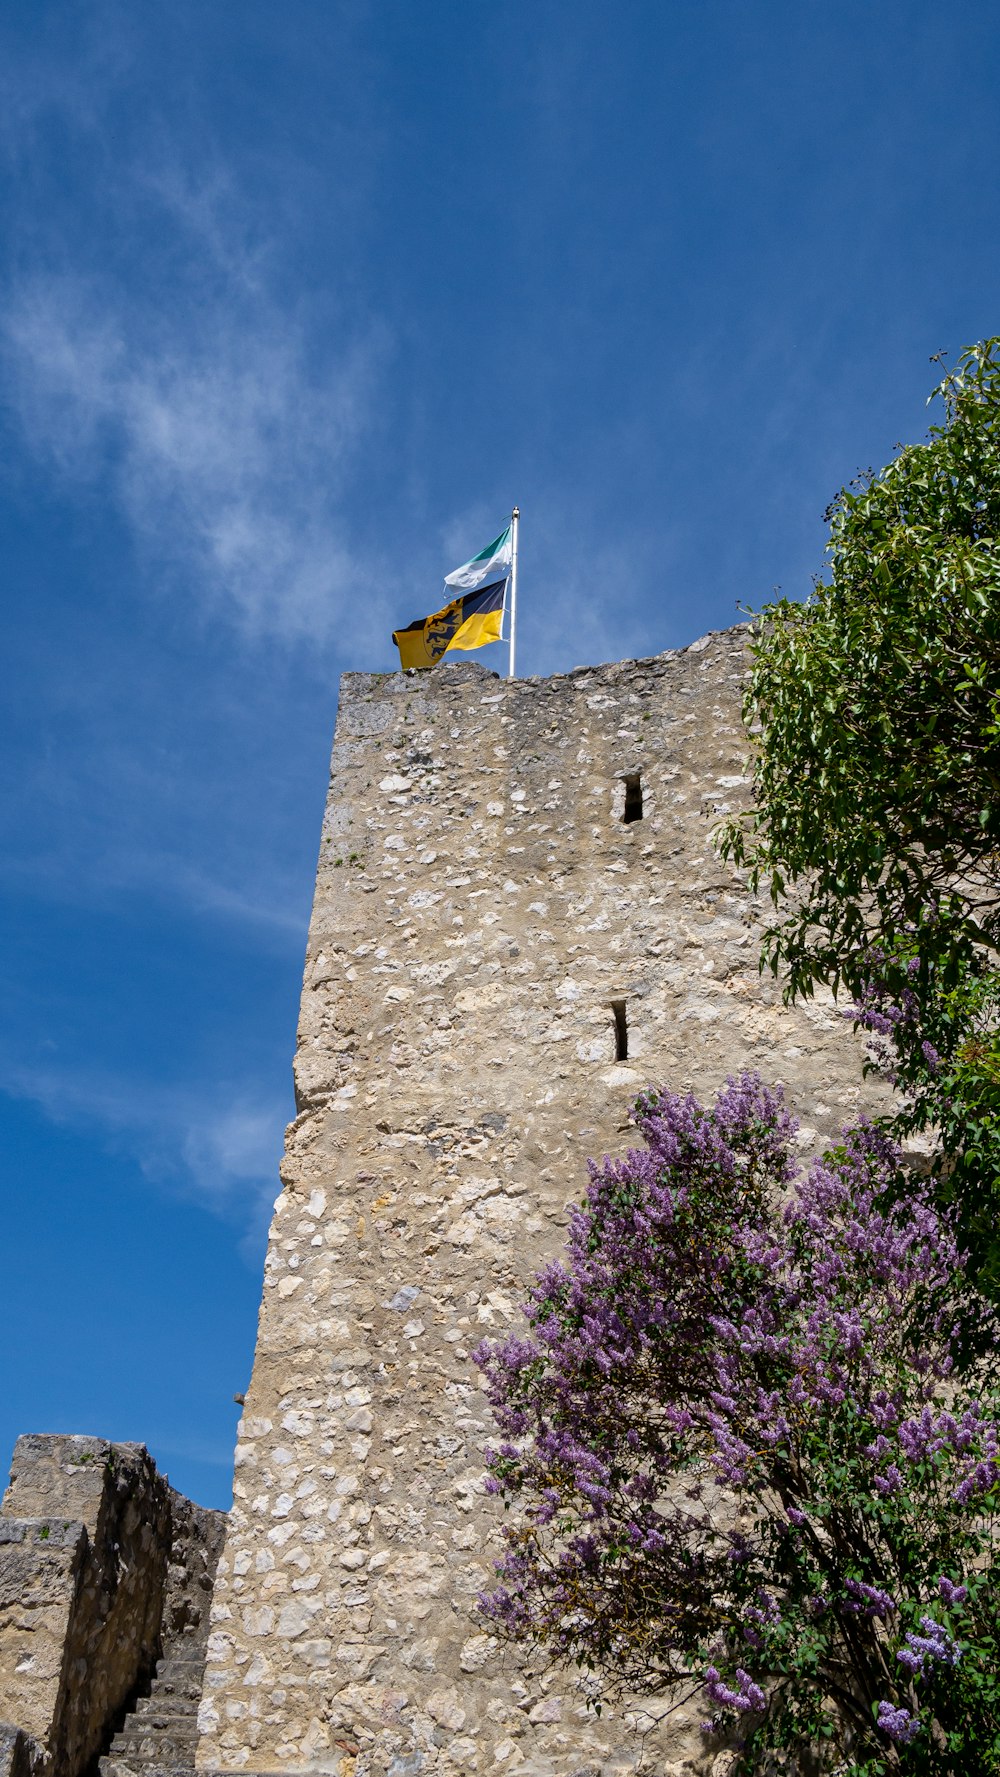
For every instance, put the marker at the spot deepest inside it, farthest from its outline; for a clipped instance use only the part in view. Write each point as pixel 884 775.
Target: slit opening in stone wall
pixel 621 1030
pixel 633 797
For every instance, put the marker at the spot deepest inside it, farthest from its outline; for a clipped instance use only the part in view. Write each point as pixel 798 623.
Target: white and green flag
pixel 492 563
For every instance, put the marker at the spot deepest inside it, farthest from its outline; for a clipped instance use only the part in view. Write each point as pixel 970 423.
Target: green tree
pixel 875 711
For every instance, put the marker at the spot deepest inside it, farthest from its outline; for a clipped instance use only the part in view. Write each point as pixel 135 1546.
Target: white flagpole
pixel 515 515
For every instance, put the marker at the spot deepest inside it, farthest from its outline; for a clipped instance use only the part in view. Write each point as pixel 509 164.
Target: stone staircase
pixel 161 1733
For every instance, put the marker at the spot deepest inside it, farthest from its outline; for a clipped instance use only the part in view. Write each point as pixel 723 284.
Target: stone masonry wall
pixel 481 907
pixel 101 1561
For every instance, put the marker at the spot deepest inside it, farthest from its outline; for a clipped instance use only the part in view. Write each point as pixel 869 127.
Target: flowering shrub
pixel 750 1445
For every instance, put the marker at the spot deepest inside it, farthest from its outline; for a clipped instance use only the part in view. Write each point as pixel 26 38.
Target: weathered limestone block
pixel 519 922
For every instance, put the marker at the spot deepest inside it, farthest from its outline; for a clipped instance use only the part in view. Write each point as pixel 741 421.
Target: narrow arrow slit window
pixel 633 797
pixel 621 1029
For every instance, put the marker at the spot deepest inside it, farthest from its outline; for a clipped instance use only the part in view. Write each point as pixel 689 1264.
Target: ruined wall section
pixel 481 908
pixel 101 1564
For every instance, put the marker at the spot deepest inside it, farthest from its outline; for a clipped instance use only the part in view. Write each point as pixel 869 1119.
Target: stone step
pixel 161 1712
pixel 188 1674
pixel 173 1697
pixel 181 1662
pixel 179 1733
pixel 134 1764
pixel 110 1766
pixel 160 1736
pixel 174 1693
pixel 127 1765
pixel 166 1716
pixel 175 1743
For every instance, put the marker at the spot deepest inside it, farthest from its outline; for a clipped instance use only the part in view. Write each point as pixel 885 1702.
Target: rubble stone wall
pixel 100 1561
pixel 516 885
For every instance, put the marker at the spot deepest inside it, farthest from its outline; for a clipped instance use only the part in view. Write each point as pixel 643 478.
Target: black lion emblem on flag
pixel 439 629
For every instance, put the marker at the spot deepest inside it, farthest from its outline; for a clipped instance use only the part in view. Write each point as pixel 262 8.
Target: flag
pixel 469 621
pixel 474 614
pixel 492 563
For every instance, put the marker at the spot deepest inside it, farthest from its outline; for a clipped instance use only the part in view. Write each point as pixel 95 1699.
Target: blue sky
pixel 295 302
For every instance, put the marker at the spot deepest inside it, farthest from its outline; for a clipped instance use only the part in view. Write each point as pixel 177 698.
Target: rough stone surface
pixel 100 1560
pixel 482 905
pixel 159 1734
pixel 20 1755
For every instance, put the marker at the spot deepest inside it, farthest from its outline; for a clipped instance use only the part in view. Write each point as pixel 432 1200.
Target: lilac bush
pixel 750 1446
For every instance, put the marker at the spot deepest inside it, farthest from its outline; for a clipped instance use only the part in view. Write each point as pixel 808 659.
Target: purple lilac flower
pixel 757 1617
pixel 869 1601
pixel 749 1697
pixel 890 1482
pixel 951 1593
pixel 899 1724
pixel 935 1644
pixel 688 1320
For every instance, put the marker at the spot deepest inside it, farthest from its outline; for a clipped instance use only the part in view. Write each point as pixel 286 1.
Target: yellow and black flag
pixel 467 622
pixel 477 593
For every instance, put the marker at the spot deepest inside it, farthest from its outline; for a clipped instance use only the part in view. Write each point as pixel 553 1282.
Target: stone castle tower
pixel 519 922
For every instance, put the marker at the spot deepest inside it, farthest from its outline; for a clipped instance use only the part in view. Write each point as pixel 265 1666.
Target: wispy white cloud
pixel 162 356
pixel 225 449
pixel 275 906
pixel 279 906
pixel 215 1145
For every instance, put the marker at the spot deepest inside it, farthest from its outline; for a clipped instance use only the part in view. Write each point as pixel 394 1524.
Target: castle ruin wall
pixel 519 922
pixel 102 1563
